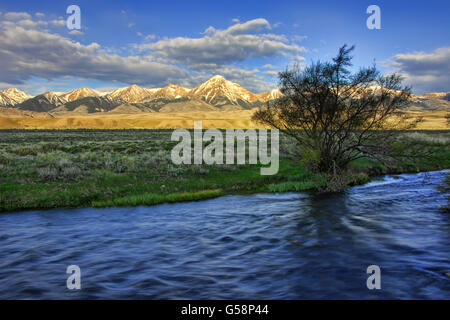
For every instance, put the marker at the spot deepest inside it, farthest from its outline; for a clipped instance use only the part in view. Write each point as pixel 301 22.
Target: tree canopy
pixel 336 115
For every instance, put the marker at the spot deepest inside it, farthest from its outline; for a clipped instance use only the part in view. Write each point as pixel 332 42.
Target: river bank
pixel 101 168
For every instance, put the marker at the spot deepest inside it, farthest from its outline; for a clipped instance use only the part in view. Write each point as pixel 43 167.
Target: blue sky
pixel 153 43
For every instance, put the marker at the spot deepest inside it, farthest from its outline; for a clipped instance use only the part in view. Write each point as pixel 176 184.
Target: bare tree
pixel 337 116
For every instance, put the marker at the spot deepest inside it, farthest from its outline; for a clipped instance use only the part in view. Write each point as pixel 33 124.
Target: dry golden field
pixel 163 120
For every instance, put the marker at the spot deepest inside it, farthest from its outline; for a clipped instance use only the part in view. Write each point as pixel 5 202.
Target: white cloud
pixel 27 23
pixel 426 72
pixel 239 42
pixel 16 16
pixel 27 53
pixel 58 22
pixel 276 25
pixel 256 25
pixel 269 66
pixel 150 37
pixel 76 33
pixel 299 38
pixel 271 73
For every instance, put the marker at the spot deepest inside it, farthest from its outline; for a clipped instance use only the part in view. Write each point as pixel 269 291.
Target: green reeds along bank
pixel 152 198
pixel 82 168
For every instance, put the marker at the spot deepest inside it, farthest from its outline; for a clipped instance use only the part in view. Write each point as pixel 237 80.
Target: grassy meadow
pixel 80 168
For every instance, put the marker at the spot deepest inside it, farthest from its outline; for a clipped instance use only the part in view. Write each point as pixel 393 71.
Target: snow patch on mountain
pixel 13 96
pixel 217 88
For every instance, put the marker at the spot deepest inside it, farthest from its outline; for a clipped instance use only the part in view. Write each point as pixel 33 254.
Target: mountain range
pixel 215 94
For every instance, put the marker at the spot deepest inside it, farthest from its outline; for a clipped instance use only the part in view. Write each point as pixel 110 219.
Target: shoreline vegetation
pixel 46 169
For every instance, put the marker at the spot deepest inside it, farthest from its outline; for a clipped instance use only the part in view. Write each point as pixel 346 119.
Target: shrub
pixel 70 172
pixel 198 169
pixel 121 164
pixel 226 167
pixel 52 159
pixel 428 138
pixel 310 158
pixel 48 147
pixel 5 158
pixel 26 150
pixel 175 171
pixel 48 173
pixel 152 161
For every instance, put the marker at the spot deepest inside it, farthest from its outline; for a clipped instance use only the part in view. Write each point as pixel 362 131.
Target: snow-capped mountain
pixel 133 93
pixel 12 96
pixel 90 104
pixel 42 103
pixel 269 95
pixel 220 91
pixel 216 93
pixel 79 93
pixel 172 91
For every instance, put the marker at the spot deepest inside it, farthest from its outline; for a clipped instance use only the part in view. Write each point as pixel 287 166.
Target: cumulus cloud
pixel 426 72
pixel 27 52
pixel 239 42
pixel 76 33
pixel 256 25
pixel 16 16
pixel 299 38
pixel 150 37
pixel 272 73
pixel 270 66
pixel 58 22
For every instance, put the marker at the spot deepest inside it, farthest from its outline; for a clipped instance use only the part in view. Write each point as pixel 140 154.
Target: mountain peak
pixel 217 77
pixel 49 94
pixel 79 93
pixel 171 85
pixel 219 91
pixel 133 93
pixel 12 90
pixel 13 96
pixel 172 91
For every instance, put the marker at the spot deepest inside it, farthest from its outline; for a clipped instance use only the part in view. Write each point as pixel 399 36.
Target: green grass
pixel 80 168
pixel 153 198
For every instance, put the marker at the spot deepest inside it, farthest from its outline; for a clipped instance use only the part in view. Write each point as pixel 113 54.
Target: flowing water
pixel 264 246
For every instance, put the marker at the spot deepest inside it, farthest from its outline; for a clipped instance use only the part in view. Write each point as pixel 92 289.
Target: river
pixel 263 246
